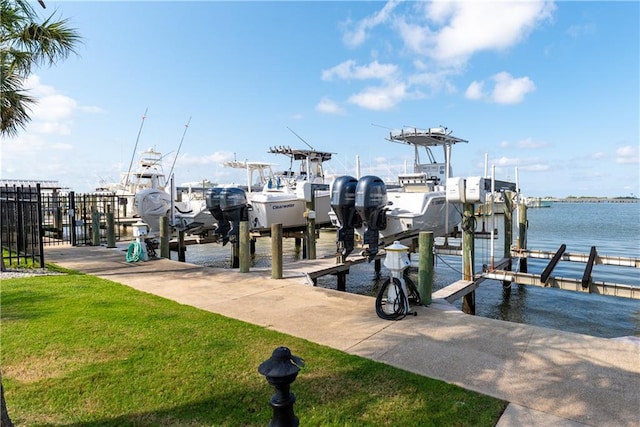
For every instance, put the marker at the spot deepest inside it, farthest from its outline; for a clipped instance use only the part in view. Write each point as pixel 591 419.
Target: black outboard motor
pixel 371 201
pixel 343 203
pixel 233 203
pixel 213 204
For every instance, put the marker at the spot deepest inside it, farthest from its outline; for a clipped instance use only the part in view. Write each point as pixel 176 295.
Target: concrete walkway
pixel 550 377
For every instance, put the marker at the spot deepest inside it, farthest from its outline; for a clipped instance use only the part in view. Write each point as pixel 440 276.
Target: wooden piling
pixel 164 237
pixel 182 248
pixel 425 266
pixel 95 226
pixel 310 231
pixel 468 256
pixel 58 222
pixel 276 251
pixel 522 234
pixel 245 253
pixel 342 280
pixel 508 232
pixel 111 230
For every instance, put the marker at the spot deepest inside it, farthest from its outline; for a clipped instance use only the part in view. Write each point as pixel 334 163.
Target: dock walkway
pixel 550 377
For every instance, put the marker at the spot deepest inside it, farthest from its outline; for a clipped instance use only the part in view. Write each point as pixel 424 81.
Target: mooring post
pixel 95 226
pixel 245 255
pixel 342 280
pixel 58 222
pixel 508 232
pixel 111 230
pixel 181 247
pixel 522 234
pixel 468 256
pixel 425 266
pixel 276 251
pixel 311 226
pixel 164 237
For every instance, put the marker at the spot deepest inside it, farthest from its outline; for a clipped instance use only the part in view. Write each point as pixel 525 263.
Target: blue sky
pixel 551 88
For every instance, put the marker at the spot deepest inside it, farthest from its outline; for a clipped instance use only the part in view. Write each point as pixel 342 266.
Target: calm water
pixel 613 228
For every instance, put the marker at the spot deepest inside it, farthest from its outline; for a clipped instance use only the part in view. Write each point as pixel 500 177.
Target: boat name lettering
pixel 289 205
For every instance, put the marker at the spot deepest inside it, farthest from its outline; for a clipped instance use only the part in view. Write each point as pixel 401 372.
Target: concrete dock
pixel 550 377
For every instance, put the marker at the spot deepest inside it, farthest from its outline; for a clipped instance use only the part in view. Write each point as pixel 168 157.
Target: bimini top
pixel 426 138
pixel 296 154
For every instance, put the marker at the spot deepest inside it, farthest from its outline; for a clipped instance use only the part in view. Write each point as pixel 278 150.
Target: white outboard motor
pixel 343 203
pixel 151 204
pixel 370 203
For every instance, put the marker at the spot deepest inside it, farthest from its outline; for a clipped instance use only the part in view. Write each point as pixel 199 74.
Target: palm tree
pixel 25 44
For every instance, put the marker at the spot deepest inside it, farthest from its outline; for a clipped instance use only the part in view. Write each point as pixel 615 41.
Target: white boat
pixel 147 174
pixel 365 208
pixel 285 197
pixel 536 202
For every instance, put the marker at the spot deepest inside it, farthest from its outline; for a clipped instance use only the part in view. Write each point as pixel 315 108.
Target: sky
pixel 548 89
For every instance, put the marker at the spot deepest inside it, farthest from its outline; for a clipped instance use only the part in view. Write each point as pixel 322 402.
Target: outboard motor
pixel 371 201
pixel 233 203
pixel 343 203
pixel 213 204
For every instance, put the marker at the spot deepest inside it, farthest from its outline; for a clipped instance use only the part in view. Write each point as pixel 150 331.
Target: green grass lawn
pixel 82 351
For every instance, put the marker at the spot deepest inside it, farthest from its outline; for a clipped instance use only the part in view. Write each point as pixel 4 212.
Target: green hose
pixel 135 252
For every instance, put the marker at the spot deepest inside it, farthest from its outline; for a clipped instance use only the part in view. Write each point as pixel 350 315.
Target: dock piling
pixel 245 255
pixel 522 234
pixel 95 226
pixel 111 230
pixel 164 237
pixel 276 251
pixel 425 266
pixel 468 230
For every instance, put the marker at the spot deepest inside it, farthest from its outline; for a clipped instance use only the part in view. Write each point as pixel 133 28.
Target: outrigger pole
pixel 180 146
pixel 126 183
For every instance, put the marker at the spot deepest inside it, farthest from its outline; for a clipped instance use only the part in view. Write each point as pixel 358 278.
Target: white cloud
pixel 508 164
pixel 530 143
pixel 475 91
pixel 473 26
pixel 598 155
pixel 506 90
pixel 329 107
pixel 216 158
pixel 441 36
pixel 381 97
pixel 53 112
pixel 359 34
pixel 576 31
pixel 510 90
pixel 627 155
pixel 349 70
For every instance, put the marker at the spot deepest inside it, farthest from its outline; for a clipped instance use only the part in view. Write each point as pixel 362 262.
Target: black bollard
pixel 281 370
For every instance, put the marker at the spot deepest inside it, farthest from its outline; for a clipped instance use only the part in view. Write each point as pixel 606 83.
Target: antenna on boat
pixel 179 146
pixel 380 126
pixel 300 138
pixel 135 148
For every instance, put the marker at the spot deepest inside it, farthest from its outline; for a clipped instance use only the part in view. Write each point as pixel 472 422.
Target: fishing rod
pixel 179 146
pixel 300 138
pixel 135 148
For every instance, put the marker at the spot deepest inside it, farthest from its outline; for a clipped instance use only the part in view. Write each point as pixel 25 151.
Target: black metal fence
pixel 31 218
pixel 21 226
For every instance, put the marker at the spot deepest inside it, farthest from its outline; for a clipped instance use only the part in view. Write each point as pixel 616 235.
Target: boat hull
pixel 412 213
pixel 287 209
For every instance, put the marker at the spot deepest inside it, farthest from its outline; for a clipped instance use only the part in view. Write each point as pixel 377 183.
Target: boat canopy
pixel 431 137
pixel 301 154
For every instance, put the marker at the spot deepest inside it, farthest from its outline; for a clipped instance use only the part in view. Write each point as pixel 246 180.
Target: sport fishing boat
pixel 285 197
pixel 364 208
